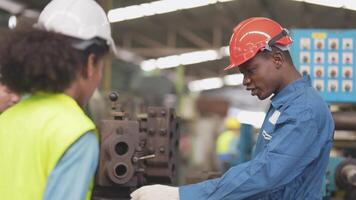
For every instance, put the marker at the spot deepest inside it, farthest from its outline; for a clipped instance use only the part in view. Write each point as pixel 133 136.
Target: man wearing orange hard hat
pixel 293 146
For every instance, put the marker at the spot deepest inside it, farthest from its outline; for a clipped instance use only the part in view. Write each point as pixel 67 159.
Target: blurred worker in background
pixel 227 143
pixel 7 98
pixel 293 146
pixel 48 146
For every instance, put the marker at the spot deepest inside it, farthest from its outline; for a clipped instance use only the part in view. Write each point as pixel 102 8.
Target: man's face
pixel 7 98
pixel 260 76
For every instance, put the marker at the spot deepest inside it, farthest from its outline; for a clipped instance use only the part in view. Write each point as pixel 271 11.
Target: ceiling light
pixel 183 59
pixel 215 82
pixel 155 8
pixel 234 79
pixel 148 65
pixel 11 6
pixel 347 4
pixel 168 62
pixel 205 84
pixel 12 21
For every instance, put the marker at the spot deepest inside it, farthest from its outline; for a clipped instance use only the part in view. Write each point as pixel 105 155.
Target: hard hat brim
pixel 113 49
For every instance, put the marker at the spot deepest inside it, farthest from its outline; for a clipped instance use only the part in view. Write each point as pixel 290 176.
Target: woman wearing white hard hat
pixel 48 146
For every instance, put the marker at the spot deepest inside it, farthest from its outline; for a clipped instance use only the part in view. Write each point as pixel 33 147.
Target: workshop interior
pixel 163 102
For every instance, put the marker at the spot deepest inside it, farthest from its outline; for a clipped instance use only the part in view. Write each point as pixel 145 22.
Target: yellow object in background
pixel 232 123
pixel 224 140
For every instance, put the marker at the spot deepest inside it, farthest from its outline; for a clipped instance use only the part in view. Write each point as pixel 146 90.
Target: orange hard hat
pixel 255 34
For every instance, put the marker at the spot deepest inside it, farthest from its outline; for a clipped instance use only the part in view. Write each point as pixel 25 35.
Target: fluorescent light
pixel 148 65
pixel 156 7
pixel 30 13
pixel 215 82
pixel 225 51
pixel 183 59
pixel 205 84
pixel 347 4
pixel 198 57
pixel 11 6
pixel 12 22
pixel 330 3
pixel 168 62
pixel 235 79
pixel 129 56
pixel 350 4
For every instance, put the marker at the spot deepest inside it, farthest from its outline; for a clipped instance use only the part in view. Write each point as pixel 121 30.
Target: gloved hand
pixel 156 192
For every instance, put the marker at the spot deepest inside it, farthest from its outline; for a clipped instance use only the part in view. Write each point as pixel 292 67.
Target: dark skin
pixel 268 73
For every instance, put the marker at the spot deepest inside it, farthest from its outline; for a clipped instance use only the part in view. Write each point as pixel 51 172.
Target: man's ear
pixel 90 66
pixel 278 59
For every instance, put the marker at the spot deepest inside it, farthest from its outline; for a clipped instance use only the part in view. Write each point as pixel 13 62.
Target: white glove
pixel 156 192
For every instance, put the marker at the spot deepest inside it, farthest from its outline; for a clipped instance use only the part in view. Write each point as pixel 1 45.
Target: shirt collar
pixel 289 91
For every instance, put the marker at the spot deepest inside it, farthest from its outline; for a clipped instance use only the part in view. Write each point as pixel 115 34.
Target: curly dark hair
pixel 34 60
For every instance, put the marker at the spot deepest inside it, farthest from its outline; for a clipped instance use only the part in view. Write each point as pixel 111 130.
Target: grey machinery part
pixel 136 152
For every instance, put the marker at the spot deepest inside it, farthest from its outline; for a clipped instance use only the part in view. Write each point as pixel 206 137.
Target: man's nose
pixel 246 80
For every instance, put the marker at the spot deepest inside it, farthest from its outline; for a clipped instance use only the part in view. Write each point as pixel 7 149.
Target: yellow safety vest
pixel 34 134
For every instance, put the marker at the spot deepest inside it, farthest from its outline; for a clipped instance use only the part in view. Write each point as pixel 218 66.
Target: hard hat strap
pixel 272 41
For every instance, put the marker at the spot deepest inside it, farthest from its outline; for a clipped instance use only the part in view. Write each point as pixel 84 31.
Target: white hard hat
pixel 82 19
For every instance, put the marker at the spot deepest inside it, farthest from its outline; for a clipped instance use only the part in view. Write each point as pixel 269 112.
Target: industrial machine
pixel 340 176
pixel 136 151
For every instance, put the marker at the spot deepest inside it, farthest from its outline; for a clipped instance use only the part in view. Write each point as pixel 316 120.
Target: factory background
pixel 172 55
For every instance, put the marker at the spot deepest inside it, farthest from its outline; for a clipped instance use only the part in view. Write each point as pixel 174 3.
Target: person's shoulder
pixel 309 104
pixel 314 101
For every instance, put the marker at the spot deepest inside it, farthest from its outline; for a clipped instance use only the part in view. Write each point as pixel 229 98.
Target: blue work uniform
pixel 291 155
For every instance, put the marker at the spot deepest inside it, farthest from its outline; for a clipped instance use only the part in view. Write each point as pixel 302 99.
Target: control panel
pixel 327 56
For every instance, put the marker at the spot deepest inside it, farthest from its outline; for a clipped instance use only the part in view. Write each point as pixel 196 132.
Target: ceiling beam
pixel 145 40
pixel 265 4
pixel 171 38
pixel 223 18
pixel 217 36
pixel 182 28
pixel 127 41
pixel 194 38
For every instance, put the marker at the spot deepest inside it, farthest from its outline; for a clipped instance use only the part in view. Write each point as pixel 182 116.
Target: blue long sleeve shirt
pixel 291 155
pixel 71 177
